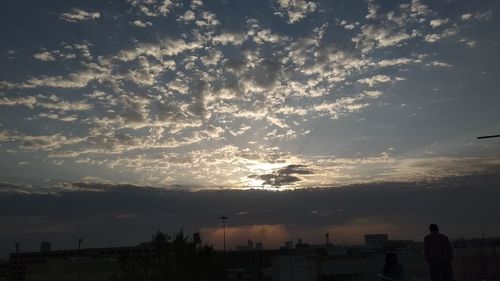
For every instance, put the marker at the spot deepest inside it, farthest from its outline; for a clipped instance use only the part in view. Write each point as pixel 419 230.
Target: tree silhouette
pixel 180 258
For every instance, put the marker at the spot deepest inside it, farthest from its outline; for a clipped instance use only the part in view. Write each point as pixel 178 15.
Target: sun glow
pixel 265 168
pixel 257 169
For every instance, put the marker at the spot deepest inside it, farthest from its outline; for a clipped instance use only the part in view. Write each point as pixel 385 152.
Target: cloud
pixel 6 187
pixel 55 103
pixel 438 22
pixel 187 17
pixel 73 80
pixel 295 10
pixel 348 212
pixel 44 56
pixel 51 103
pixel 466 16
pixel 26 101
pixel 212 58
pixel 349 26
pixel 419 9
pixel 394 62
pixel 68 52
pixel 372 10
pixel 59 117
pixel 374 36
pixel 198 105
pixel 152 8
pixel 469 43
pixel 78 15
pixel 226 38
pixel 139 23
pixel 207 19
pixel 40 142
pixel 46 142
pixel 165 47
pixel 266 36
pixel 377 79
pixel 202 106
pixel 285 176
pixel 342 106
pixel 435 37
pixel 439 63
pixel 479 16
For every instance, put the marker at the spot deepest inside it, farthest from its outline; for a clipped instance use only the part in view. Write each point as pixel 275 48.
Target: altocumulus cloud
pixel 295 95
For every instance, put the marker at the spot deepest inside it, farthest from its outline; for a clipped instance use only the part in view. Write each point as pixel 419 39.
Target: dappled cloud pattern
pixel 182 94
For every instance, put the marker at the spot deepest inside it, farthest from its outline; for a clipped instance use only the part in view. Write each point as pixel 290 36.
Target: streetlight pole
pixel 224 218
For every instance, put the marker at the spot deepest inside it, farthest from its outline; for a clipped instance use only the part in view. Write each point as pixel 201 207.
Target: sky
pixel 133 103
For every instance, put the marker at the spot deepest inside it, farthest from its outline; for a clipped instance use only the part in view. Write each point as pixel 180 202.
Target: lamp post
pixel 223 219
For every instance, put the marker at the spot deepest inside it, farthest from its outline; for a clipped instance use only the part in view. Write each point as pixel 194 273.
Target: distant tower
pixel 80 240
pixel 327 238
pixel 18 246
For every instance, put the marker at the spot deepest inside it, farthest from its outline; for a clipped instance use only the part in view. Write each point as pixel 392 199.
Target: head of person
pixel 391 259
pixel 433 228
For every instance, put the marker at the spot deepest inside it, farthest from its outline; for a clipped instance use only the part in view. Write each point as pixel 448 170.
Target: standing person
pixel 438 254
pixel 392 270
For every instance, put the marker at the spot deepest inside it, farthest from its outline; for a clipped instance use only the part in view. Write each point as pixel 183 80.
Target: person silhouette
pixel 392 270
pixel 438 254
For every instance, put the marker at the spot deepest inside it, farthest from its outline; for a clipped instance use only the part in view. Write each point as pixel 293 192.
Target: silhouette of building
pixel 250 246
pixel 48 262
pixel 104 263
pixel 476 259
pixel 4 270
pixel 249 265
pixel 45 247
pixel 78 269
pixel 376 241
pixel 353 266
pixel 328 262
